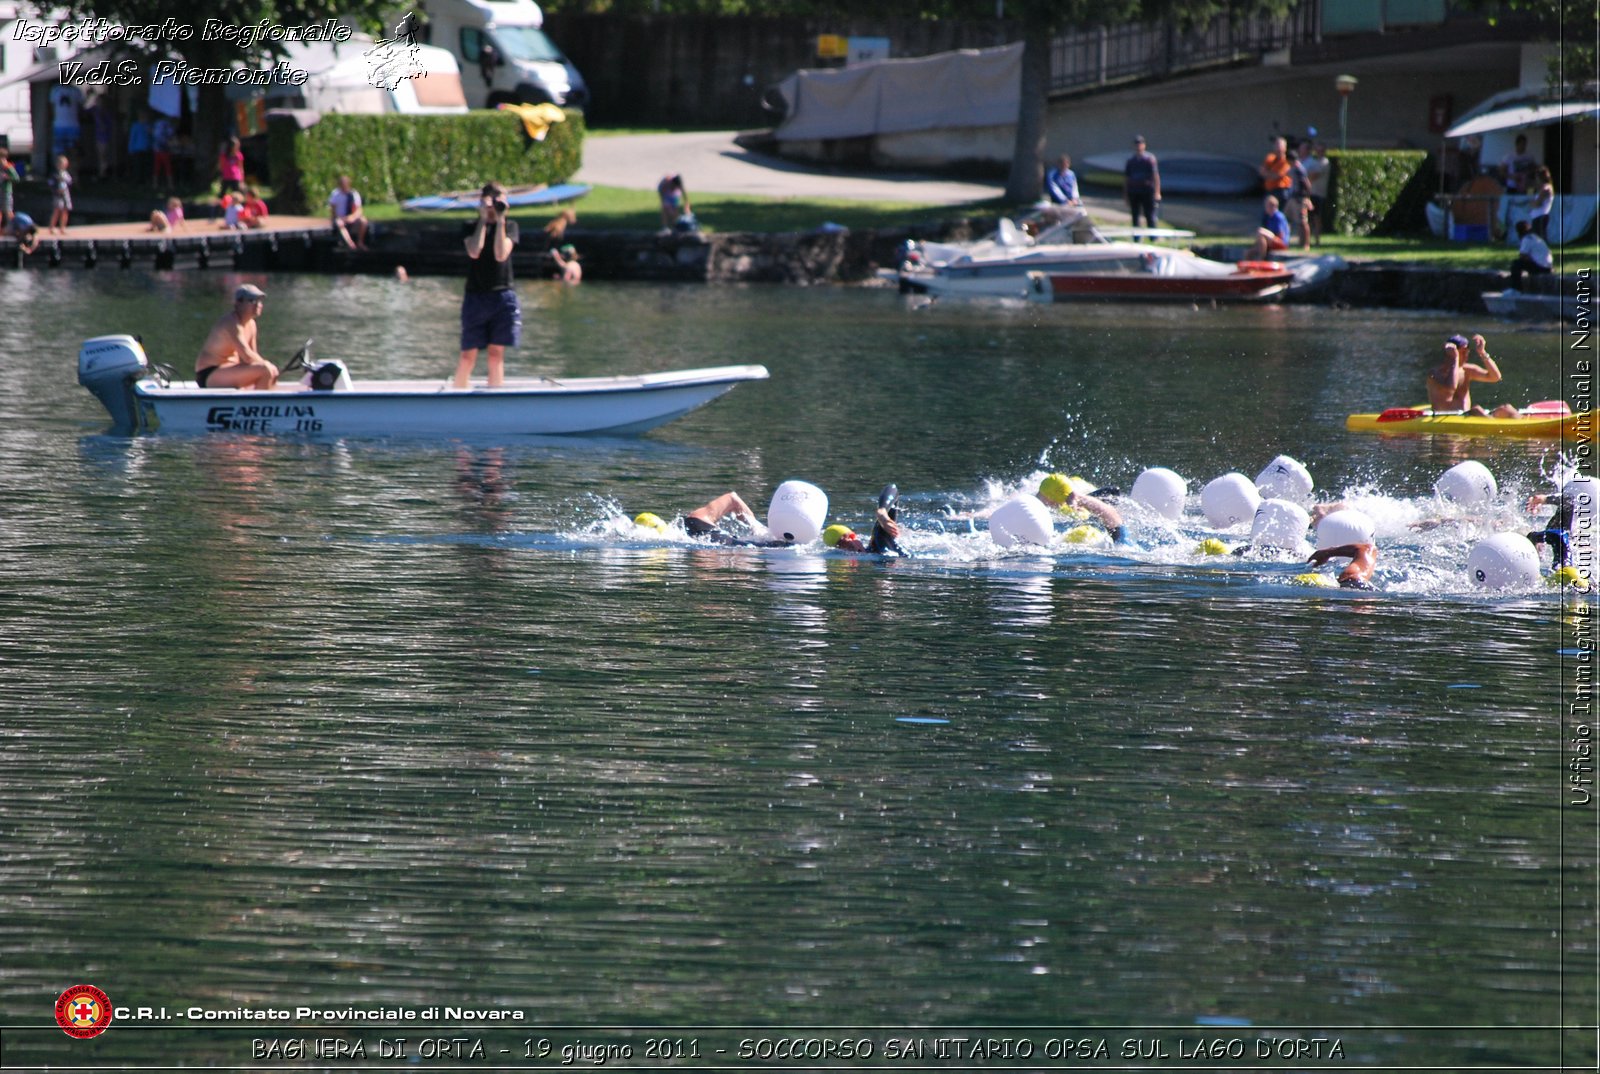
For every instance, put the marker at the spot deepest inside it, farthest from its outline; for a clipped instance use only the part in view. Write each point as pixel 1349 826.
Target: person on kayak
pixel 885 529
pixel 1363 560
pixel 1450 382
pixel 1057 493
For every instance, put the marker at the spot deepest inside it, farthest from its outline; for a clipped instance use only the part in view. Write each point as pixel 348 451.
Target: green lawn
pixel 614 209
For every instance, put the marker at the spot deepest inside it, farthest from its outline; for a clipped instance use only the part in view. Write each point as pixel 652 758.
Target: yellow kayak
pixel 1550 419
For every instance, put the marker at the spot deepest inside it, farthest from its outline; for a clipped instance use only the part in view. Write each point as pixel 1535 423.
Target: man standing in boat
pixel 229 358
pixel 490 314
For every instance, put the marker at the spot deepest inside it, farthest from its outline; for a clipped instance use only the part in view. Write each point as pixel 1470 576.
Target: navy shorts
pixel 490 318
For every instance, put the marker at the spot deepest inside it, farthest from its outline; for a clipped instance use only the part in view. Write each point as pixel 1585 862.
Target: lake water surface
pixel 407 725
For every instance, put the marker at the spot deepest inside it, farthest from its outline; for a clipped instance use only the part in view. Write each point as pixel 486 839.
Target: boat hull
pixel 1553 427
pixel 1078 287
pixel 620 406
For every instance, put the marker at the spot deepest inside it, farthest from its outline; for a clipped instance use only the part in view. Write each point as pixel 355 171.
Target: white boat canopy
pixel 1524 113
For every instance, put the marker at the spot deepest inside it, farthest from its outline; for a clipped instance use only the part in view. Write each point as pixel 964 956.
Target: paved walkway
pixel 711 163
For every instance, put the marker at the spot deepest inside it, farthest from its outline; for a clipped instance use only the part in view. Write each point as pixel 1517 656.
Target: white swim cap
pixel 1229 500
pixel 1504 561
pixel 797 511
pixel 1467 483
pixel 1162 491
pixel 1279 524
pixel 1342 527
pixel 1285 479
pixel 1021 520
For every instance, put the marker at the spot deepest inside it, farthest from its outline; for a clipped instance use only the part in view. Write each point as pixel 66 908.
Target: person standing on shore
pixel 491 317
pixel 1141 184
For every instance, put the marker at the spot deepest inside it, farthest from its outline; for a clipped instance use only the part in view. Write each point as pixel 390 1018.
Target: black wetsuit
pixel 700 528
pixel 882 544
pixel 1557 533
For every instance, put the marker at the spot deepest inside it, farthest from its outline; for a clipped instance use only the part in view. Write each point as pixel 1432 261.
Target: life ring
pixel 1260 266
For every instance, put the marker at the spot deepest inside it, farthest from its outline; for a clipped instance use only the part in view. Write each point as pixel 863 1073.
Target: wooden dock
pixel 285 242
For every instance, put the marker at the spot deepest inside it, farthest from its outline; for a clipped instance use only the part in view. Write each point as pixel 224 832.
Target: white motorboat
pixel 142 398
pixel 1072 259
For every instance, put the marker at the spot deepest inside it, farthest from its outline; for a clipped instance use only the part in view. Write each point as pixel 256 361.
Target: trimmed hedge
pixel 1373 190
pixel 394 157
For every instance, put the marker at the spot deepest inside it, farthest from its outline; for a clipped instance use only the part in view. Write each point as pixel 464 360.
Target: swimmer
pixel 885 529
pixel 704 522
pixel 1358 573
pixel 1557 532
pixel 1057 493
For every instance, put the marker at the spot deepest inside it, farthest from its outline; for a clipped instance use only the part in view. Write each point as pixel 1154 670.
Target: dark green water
pixel 393 724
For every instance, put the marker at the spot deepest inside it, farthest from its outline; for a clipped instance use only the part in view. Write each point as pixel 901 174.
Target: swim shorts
pixel 490 318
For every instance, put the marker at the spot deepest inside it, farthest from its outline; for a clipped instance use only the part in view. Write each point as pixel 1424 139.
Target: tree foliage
pixel 1570 24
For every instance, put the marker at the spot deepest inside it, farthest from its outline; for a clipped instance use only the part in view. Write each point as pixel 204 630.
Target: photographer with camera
pixel 490 314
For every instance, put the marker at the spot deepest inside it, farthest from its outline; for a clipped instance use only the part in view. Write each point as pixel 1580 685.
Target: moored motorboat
pixel 142 398
pixel 1550 419
pixel 1072 258
pixel 1164 279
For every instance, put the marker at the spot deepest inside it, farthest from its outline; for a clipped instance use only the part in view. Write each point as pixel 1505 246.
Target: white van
pixel 349 77
pixel 504 54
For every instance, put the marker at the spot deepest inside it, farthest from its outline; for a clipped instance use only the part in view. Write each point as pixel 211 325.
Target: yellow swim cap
pixel 836 533
pixel 1567 576
pixel 650 522
pixel 1085 535
pixel 1054 490
pixel 1316 581
pixel 1212 547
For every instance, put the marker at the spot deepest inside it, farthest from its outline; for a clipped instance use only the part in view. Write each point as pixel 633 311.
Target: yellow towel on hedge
pixel 536 118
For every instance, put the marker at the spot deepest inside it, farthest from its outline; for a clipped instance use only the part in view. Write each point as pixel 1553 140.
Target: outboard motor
pixel 327 376
pixel 109 366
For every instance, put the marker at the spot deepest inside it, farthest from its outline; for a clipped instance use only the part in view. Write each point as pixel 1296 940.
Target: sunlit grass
pixel 608 208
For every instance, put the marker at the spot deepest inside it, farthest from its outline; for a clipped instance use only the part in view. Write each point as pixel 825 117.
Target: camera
pixel 501 205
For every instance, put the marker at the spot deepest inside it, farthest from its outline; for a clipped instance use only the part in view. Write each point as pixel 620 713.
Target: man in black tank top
pixel 490 314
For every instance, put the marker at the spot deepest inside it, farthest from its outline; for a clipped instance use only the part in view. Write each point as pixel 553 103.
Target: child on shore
pixel 60 184
pixel 8 181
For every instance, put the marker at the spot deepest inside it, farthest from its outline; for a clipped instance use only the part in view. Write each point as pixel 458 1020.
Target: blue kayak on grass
pixel 544 195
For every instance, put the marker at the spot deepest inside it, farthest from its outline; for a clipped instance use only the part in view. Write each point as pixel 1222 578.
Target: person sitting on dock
pixel 169 218
pixel 1450 382
pixel 1061 184
pixel 229 358
pixel 1533 255
pixel 345 209
pixel 1273 234
pixel 252 209
pixel 25 231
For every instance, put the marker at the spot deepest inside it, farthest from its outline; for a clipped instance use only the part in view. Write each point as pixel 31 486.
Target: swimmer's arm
pixel 1107 514
pixel 889 525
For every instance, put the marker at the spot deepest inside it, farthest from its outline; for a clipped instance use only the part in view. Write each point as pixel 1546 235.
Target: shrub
pixel 1375 190
pixel 394 157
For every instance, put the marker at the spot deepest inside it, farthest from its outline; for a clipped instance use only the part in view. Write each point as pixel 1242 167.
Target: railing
pixel 1086 59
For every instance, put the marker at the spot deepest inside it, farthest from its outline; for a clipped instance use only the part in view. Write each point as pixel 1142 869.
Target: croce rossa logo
pixel 83 1011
